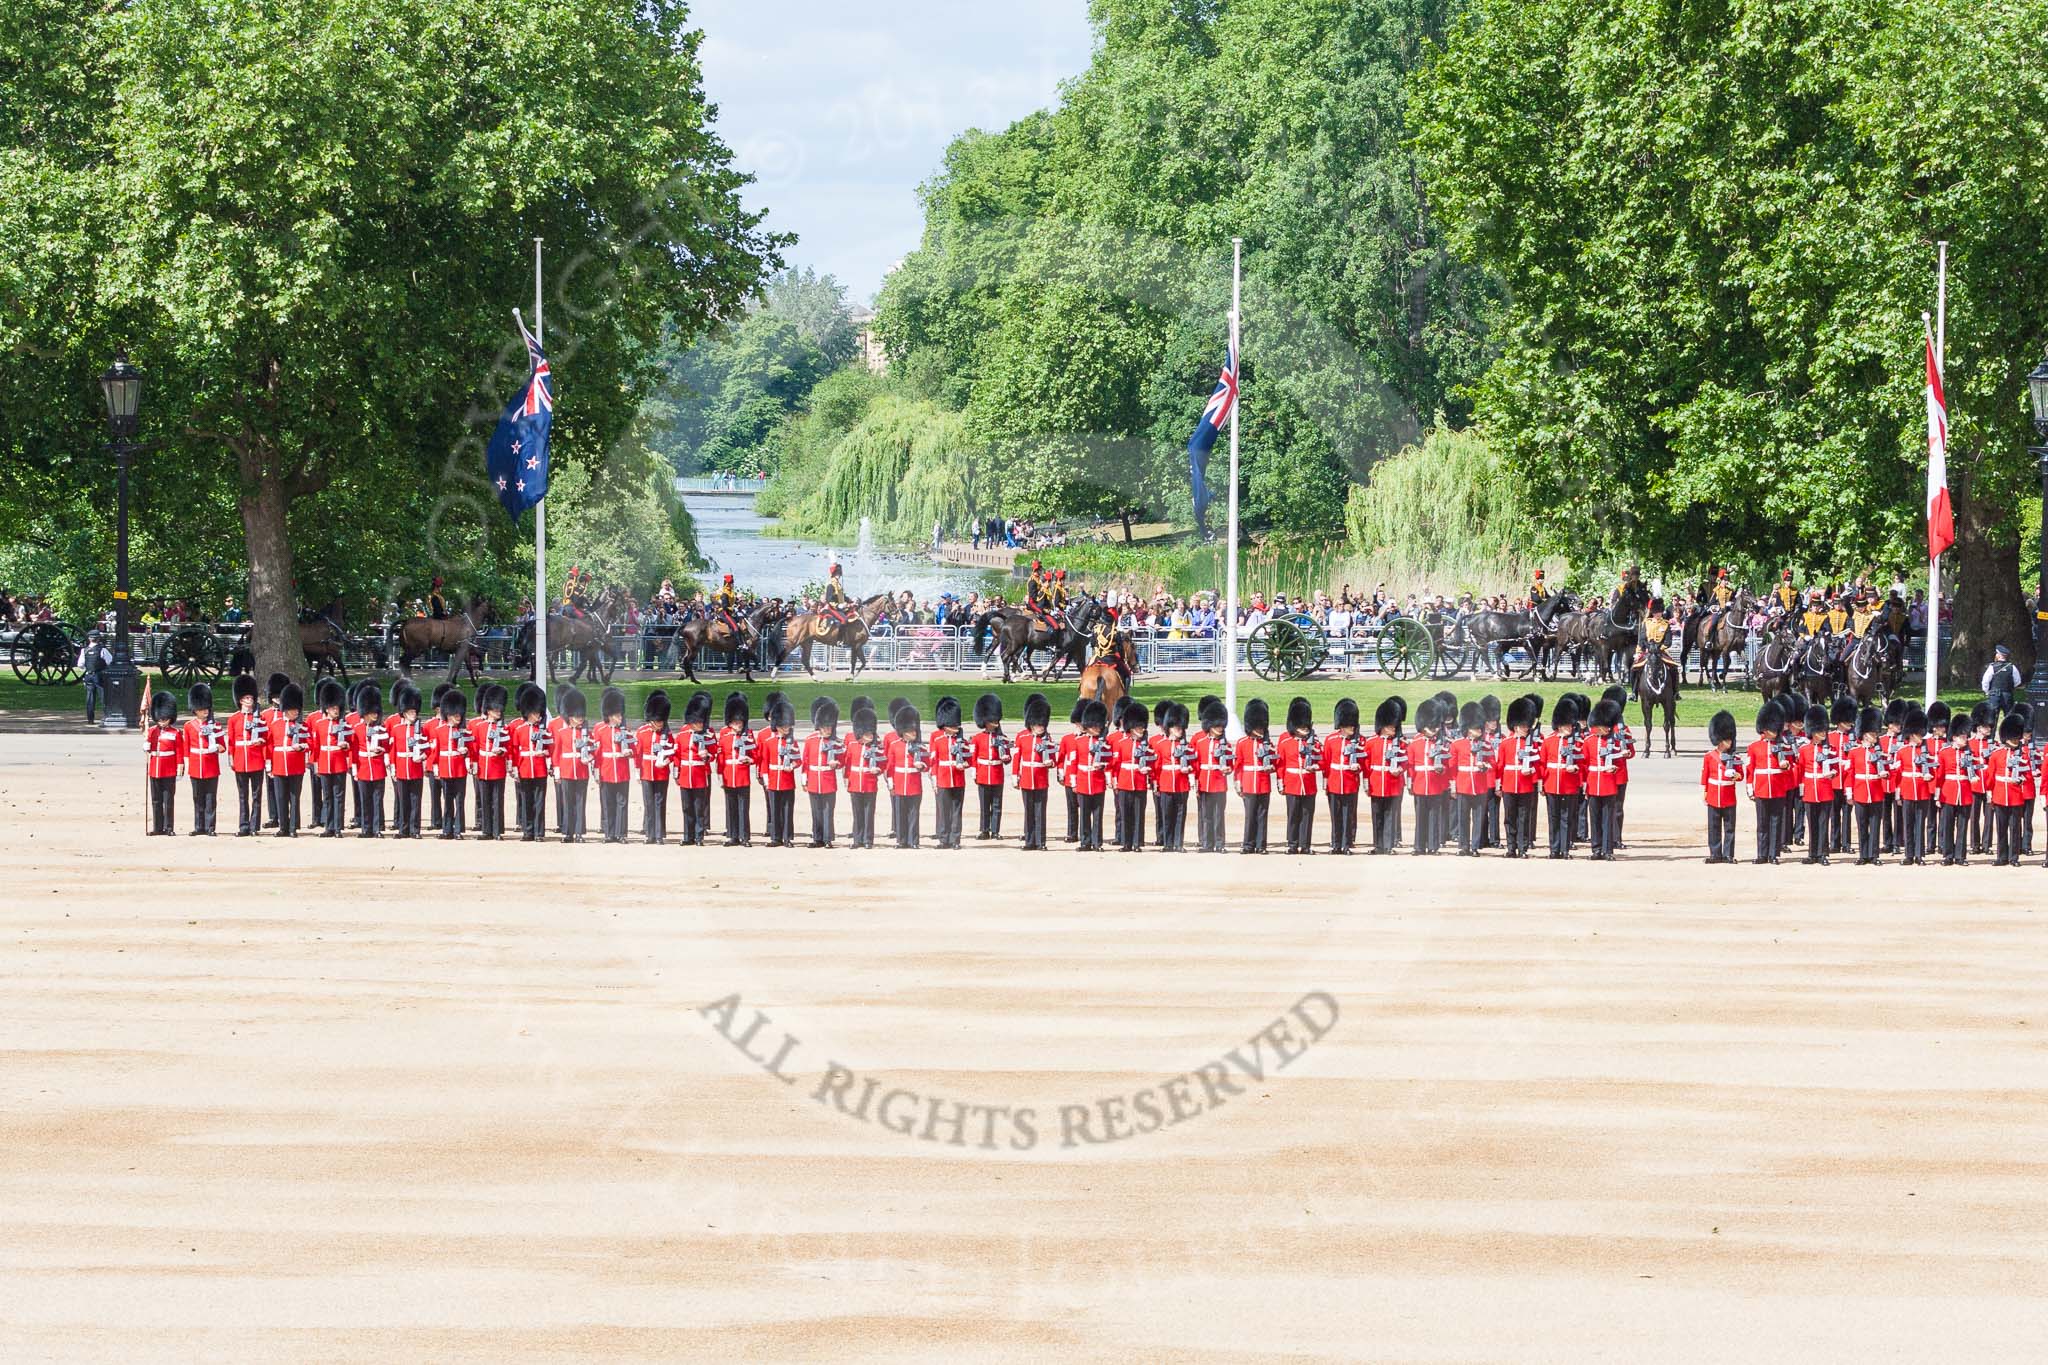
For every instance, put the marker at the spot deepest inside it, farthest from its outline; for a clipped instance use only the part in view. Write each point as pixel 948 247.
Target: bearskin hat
pixel 1387 715
pixel 1470 717
pixel 1582 705
pixel 1959 726
pixel 1895 711
pixel 1868 721
pixel 946 714
pixel 245 689
pixel 2013 728
pixel 1536 705
pixel 163 708
pixel 1721 729
pixel 371 706
pixel 405 697
pixel 1094 715
pixel 1816 720
pixel 1213 715
pixel 1983 715
pixel 782 715
pixel 1489 709
pixel 1842 712
pixel 291 697
pixel 863 720
pixel 2026 712
pixel 1446 708
pixel 768 700
pixel 988 710
pixel 1770 718
pixel 1257 718
pixel 655 709
pixel 1523 714
pixel 573 704
pixel 1616 694
pixel 824 714
pixel 274 688
pixel 361 690
pixel 1300 715
pixel 612 703
pixel 441 689
pixel 736 712
pixel 532 700
pixel 1914 726
pixel 1606 714
pixel 1037 709
pixel 454 704
pixel 490 697
pixel 199 698
pixel 906 720
pixel 697 708
pixel 1345 715
pixel 896 704
pixel 862 702
pixel 1566 712
pixel 1173 715
pixel 1400 711
pixel 1937 718
pixel 1425 714
pixel 1136 716
pixel 1080 705
pixel 1207 703
pixel 329 694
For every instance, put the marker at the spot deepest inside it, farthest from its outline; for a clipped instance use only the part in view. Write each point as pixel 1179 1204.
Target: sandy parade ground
pixel 322 1100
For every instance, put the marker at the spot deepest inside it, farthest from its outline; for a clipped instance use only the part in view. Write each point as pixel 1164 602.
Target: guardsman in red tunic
pixel 1892 836
pixel 1957 780
pixel 865 758
pixel 490 761
pixel 951 758
pixel 448 759
pixel 163 753
pixel 1429 774
pixel 1720 775
pixel 1772 775
pixel 696 755
pixel 1131 761
pixel 1070 753
pixel 2006 772
pixel 1607 755
pixel 570 750
pixel 1386 768
pixel 206 739
pixel 736 770
pixel 1564 775
pixel 1088 775
pixel 617 760
pixel 272 716
pixel 407 741
pixel 777 756
pixel 992 756
pixel 1343 765
pixel 1841 738
pixel 248 757
pixel 1519 766
pixel 1474 774
pixel 1299 759
pixel 370 761
pixel 1983 722
pixel 290 749
pixel 530 746
pixel 1214 762
pixel 1173 774
pixel 1034 756
pixel 655 749
pixel 333 746
pixel 906 757
pixel 1255 762
pixel 821 762
pixel 1917 771
pixel 1866 775
pixel 2031 749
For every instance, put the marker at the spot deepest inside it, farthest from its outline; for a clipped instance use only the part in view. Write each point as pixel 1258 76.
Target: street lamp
pixel 122 386
pixel 2037 393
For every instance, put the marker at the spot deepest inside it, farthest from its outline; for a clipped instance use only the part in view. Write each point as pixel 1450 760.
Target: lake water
pixel 730 535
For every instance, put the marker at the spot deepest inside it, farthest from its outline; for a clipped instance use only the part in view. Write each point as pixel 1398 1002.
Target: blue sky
pixel 841 112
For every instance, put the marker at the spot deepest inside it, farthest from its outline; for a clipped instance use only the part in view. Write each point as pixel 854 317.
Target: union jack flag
pixel 518 456
pixel 1214 418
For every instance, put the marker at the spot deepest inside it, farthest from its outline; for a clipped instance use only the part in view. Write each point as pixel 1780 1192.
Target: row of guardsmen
pixel 1919 784
pixel 1470 773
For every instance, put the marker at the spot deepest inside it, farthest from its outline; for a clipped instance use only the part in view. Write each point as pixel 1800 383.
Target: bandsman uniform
pixel 865 759
pixel 906 757
pixel 1917 768
pixel 1033 759
pixel 332 741
pixel 1956 792
pixel 448 733
pixel 272 716
pixel 2006 773
pixel 1386 762
pixel 1131 760
pixel 1867 777
pixel 778 755
pixel 1429 774
pixel 1983 725
pixel 371 761
pixel 616 761
pixel 490 748
pixel 1088 772
pixel 736 770
pixel 1473 777
pixel 1772 775
pixel 205 741
pixel 1841 739
pixel 1817 786
pixel 1608 749
pixel 1564 774
pixel 290 750
pixel 1069 753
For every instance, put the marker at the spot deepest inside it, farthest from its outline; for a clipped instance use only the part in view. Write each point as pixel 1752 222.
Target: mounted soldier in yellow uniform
pixel 1786 595
pixel 836 598
pixel 725 605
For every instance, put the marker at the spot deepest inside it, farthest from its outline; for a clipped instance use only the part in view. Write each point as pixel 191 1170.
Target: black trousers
pixel 824 805
pixel 1471 823
pixel 654 811
pixel 1255 808
pixel 405 807
pixel 1791 828
pixel 1955 835
pixel 1603 820
pixel 271 788
pixel 1091 820
pixel 1209 810
pixel 1489 822
pixel 1980 824
pixel 952 806
pixel 371 797
pixel 1159 819
pixel 1130 821
pixel 285 794
pixel 205 804
pixel 1721 834
pixel 1520 809
pixel 331 801
pixel 249 801
pixel 1918 833
pixel 696 805
pixel 318 783
pixel 451 807
pixel 1073 815
pixel 1869 830
pixel 1343 820
pixel 1842 822
pixel 490 807
pixel 781 818
pixel 2005 822
pixel 1425 841
pixel 904 813
pixel 1386 823
pixel 1893 825
pixel 611 811
pixel 1301 824
pixel 1173 820
pixel 1562 813
pixel 163 800
pixel 863 807
pixel 530 800
pixel 1769 839
pixel 991 810
pixel 1116 805
pixel 572 794
pixel 1035 804
pixel 433 800
pixel 739 815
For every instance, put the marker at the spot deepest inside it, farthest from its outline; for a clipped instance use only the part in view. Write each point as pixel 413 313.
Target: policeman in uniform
pixel 2001 681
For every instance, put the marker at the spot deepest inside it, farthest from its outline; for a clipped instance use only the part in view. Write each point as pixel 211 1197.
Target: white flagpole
pixel 1229 631
pixel 540 529
pixel 1934 564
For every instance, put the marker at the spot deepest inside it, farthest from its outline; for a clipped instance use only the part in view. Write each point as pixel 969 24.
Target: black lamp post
pixel 2037 393
pixel 122 385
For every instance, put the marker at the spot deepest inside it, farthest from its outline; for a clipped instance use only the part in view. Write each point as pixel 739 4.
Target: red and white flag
pixel 1941 521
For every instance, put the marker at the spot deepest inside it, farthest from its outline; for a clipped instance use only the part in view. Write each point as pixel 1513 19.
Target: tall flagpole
pixel 1934 564
pixel 1229 632
pixel 540 528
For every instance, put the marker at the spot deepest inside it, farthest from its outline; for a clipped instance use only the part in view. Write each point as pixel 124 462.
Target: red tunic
pixel 370 755
pixel 448 742
pixel 1519 764
pixel 1865 776
pixel 204 741
pixel 777 757
pixel 1560 778
pixel 1032 759
pixel 1342 767
pixel 1213 762
pixel 1472 773
pixel 1770 777
pixel 1124 747
pixel 617 753
pixel 1254 768
pixel 163 748
pixel 1088 773
pixel 1718 779
pixel 248 743
pixel 1169 774
pixel 655 749
pixel 530 745
pixel 566 742
pixel 863 762
pixel 1386 766
pixel 696 754
pixel 2006 775
pixel 1981 747
pixel 1816 772
pixel 735 761
pixel 1069 754
pixel 399 735
pixel 905 769
pixel 988 759
pixel 490 749
pixel 951 758
pixel 1301 762
pixel 1954 787
pixel 1606 763
pixel 1919 769
pixel 1427 776
pixel 329 740
pixel 821 775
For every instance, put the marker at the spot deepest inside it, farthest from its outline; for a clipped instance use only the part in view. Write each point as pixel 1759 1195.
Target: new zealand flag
pixel 518 456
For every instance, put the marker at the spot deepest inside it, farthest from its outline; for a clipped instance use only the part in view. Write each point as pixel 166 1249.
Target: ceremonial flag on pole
pixel 1214 418
pixel 518 456
pixel 1941 521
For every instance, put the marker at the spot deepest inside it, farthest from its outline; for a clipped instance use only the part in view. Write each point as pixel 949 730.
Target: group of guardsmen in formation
pixel 1906 782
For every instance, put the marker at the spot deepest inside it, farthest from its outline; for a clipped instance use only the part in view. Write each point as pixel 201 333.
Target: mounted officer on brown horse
pixel 723 631
pixel 837 624
pixel 450 634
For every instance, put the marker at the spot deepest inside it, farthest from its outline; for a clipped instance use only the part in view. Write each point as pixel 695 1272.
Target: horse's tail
pixel 981 632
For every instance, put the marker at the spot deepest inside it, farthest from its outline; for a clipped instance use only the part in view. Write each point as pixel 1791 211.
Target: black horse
pixel 1493 633
pixel 1658 686
pixel 1020 633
